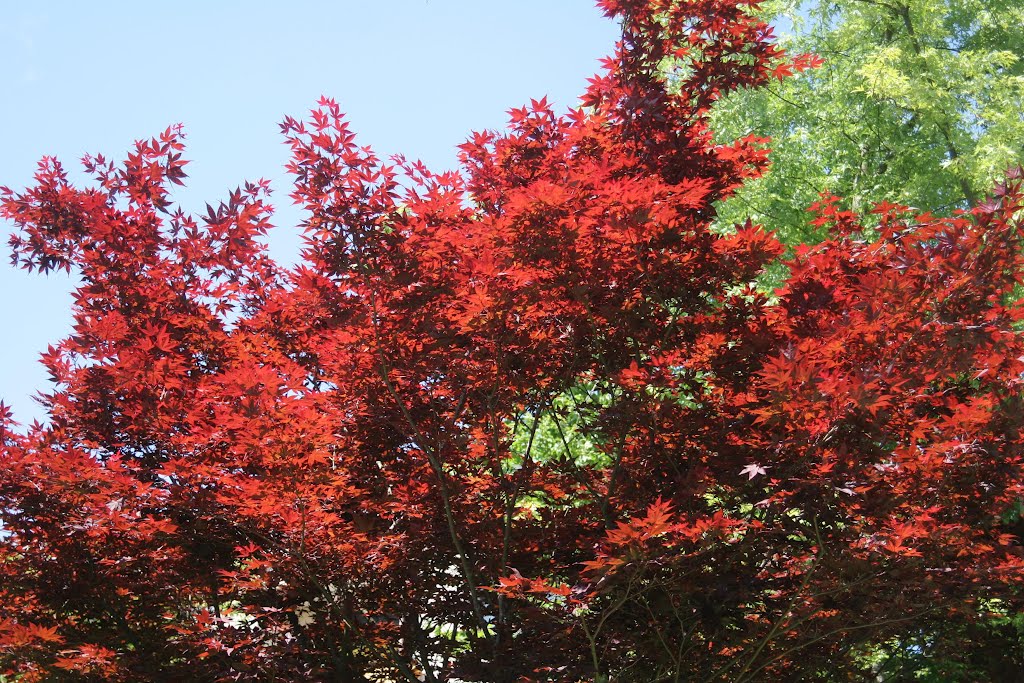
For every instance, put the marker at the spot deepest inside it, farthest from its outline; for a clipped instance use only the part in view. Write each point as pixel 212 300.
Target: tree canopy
pixel 526 421
pixel 918 102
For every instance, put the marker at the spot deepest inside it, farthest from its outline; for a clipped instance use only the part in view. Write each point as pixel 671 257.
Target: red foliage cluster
pixel 528 421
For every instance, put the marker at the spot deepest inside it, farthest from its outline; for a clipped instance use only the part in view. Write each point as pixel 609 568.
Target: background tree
pixel 918 102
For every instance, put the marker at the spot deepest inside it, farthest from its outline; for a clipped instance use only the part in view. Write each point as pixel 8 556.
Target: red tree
pixel 529 421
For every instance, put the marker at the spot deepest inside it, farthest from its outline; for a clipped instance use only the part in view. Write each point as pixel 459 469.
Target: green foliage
pixel 559 431
pixel 989 648
pixel 919 102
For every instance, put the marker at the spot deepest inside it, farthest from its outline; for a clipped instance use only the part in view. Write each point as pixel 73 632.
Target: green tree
pixel 919 102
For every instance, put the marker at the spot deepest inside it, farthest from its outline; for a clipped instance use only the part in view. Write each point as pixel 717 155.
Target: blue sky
pixel 415 76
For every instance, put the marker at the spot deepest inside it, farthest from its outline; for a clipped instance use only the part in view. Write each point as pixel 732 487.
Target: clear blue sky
pixel 415 76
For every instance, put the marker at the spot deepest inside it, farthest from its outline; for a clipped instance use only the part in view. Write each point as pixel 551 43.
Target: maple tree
pixel 526 421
